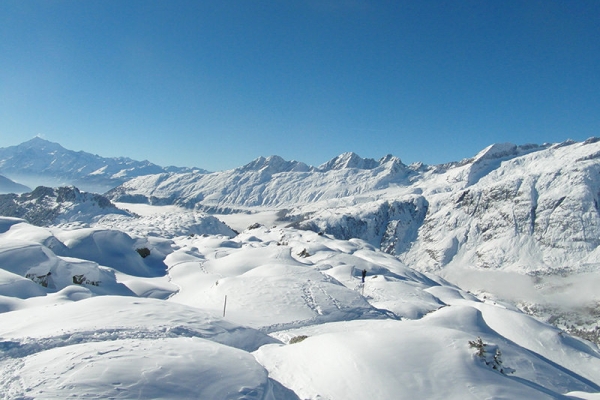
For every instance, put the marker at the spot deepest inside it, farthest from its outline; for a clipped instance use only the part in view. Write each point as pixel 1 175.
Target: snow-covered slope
pixel 516 223
pixel 68 207
pixel 39 162
pixel 273 313
pixel 537 213
pixel 9 186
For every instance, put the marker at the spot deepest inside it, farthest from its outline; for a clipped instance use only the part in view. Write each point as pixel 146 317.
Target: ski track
pixel 309 298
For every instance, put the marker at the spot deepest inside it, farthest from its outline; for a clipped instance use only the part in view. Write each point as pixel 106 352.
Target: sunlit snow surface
pixel 212 316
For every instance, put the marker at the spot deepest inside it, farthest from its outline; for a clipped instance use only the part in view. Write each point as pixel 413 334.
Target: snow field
pixel 141 334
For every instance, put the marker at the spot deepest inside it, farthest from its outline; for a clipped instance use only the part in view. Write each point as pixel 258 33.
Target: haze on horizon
pixel 217 84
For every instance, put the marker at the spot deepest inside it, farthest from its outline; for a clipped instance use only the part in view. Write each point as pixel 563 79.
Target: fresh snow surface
pixel 273 313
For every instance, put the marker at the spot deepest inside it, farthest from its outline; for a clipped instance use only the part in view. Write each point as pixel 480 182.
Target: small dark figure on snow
pixel 364 274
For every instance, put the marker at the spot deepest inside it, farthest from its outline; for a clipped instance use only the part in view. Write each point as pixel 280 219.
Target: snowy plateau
pixel 481 279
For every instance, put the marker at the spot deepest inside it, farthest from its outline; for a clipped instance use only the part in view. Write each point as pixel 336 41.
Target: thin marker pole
pixel 224 306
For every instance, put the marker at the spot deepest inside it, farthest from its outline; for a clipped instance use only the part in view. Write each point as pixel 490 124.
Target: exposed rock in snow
pixel 274 165
pixel 349 160
pixel 45 206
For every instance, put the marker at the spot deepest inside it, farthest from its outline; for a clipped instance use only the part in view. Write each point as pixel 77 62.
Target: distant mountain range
pixel 473 212
pixel 531 212
pixel 269 182
pixel 39 162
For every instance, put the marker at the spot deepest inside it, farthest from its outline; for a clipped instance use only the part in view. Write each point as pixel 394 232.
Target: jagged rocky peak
pixel 349 160
pixel 45 205
pixel 353 160
pixel 591 140
pixel 389 158
pixel 391 162
pixel 274 164
pixel 66 194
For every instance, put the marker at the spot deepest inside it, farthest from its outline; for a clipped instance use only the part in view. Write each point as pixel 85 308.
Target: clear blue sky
pixel 215 84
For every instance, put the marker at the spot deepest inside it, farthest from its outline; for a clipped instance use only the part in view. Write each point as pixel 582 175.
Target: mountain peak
pixel 274 164
pixel 349 160
pixel 41 143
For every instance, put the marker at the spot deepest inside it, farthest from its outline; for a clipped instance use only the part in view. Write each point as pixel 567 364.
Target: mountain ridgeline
pixel 39 162
pixel 518 222
pixel 533 209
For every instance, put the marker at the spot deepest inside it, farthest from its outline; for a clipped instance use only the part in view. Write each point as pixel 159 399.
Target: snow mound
pixel 180 368
pixel 431 359
pixel 272 313
pixel 123 347
pixel 7 222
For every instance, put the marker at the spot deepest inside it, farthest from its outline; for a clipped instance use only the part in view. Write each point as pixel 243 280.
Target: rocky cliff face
pixel 534 213
pixel 391 225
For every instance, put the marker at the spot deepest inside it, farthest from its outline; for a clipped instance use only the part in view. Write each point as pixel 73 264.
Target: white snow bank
pixel 110 248
pixel 169 368
pixel 13 285
pixel 7 222
pixel 425 359
pixel 114 317
pixel 163 221
pixel 50 273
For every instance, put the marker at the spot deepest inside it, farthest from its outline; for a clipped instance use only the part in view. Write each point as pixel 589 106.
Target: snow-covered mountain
pixel 157 299
pixel 530 209
pixel 268 182
pixel 530 212
pixel 39 162
pixel 9 186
